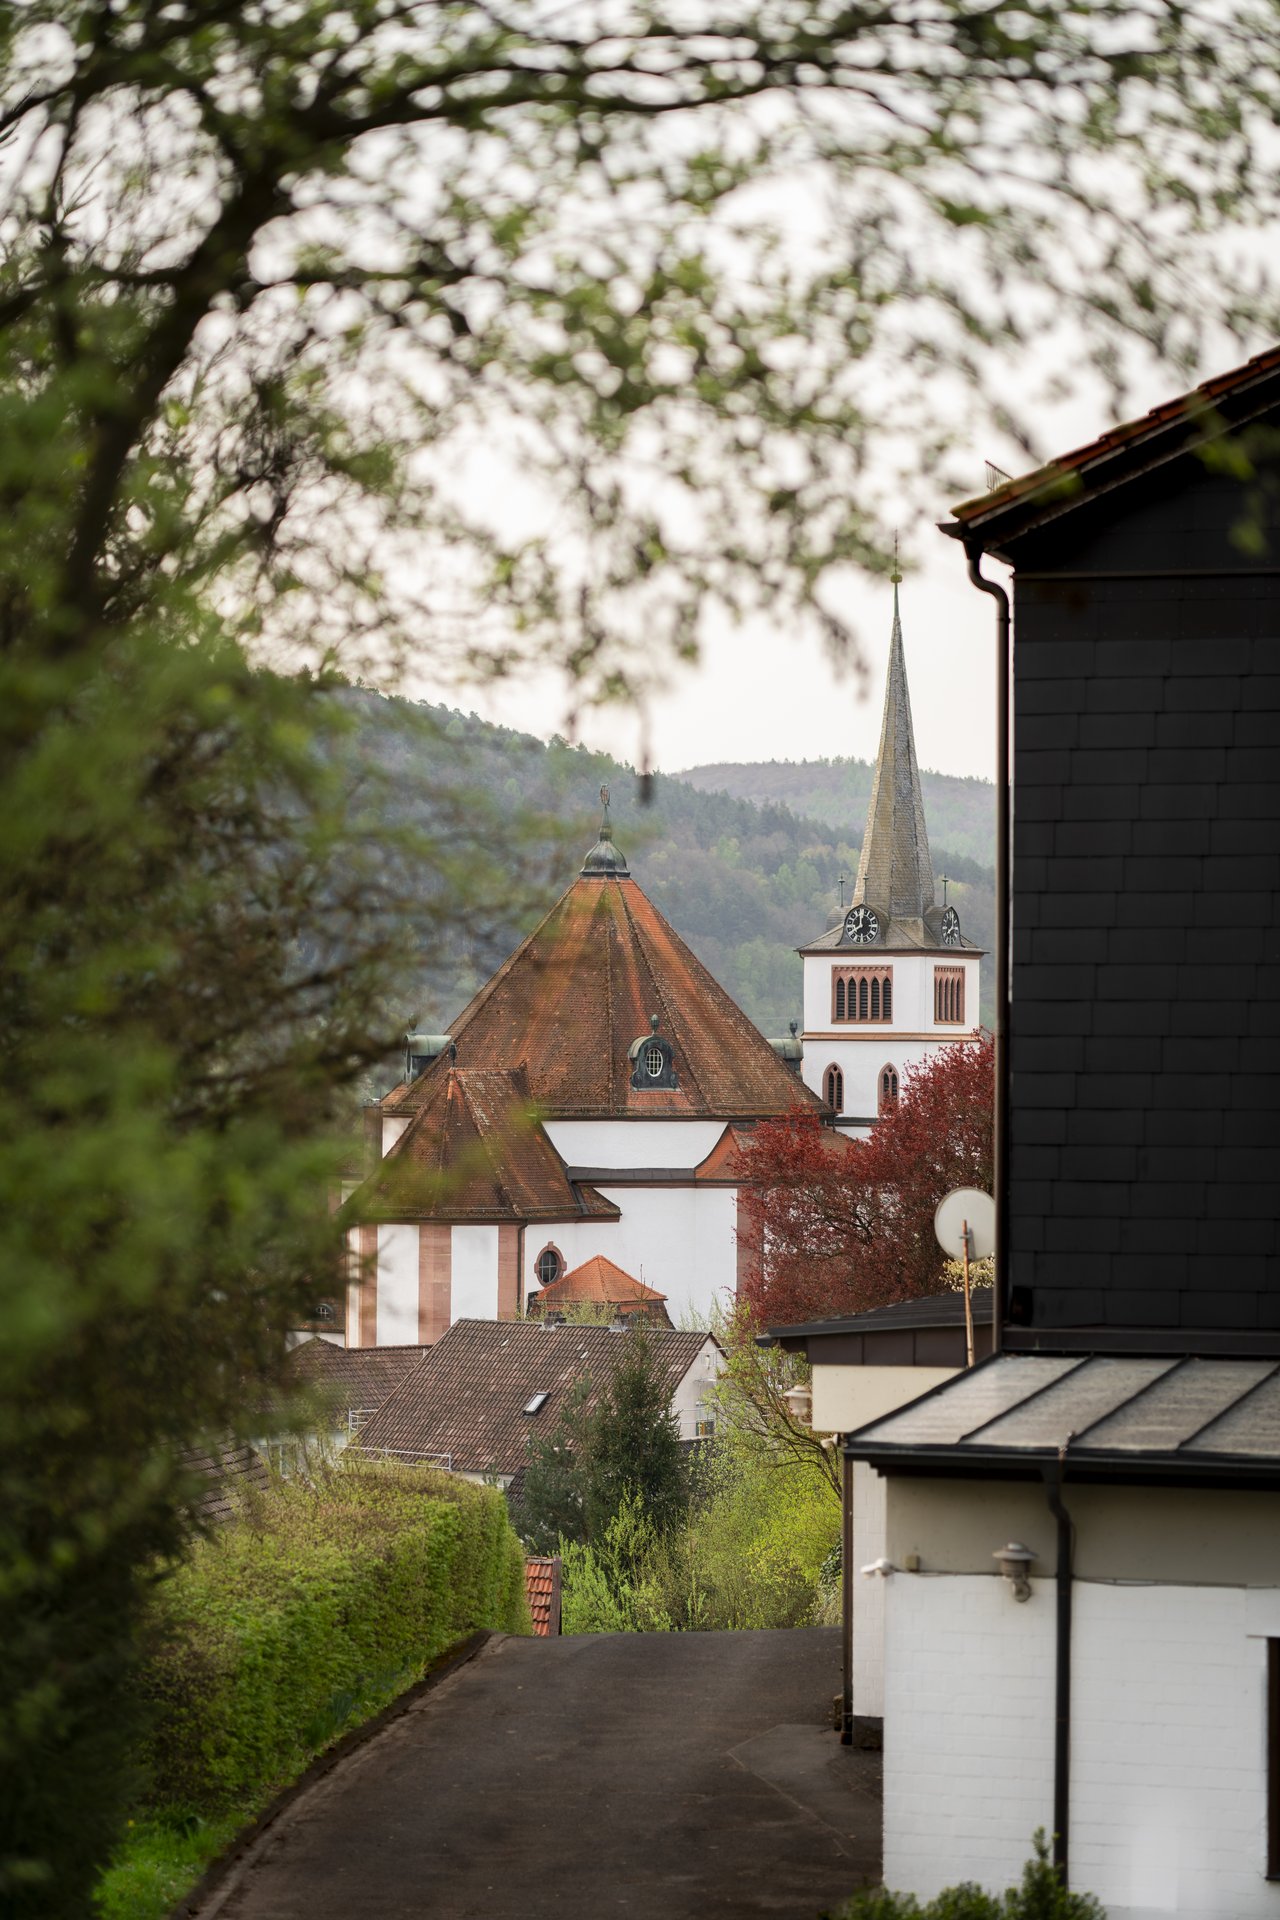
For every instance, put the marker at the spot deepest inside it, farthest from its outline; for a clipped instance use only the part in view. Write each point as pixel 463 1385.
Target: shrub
pixel 1040 1896
pixel 310 1613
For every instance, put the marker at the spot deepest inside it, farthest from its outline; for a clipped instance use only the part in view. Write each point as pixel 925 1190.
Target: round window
pixel 548 1267
pixel 654 1062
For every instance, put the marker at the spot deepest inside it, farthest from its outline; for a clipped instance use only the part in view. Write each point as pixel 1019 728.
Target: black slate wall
pixel 1145 1040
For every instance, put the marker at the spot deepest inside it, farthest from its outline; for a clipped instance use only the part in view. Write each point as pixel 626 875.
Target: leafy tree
pixel 274 281
pixel 635 1442
pixel 618 1444
pixel 552 1505
pixel 848 1224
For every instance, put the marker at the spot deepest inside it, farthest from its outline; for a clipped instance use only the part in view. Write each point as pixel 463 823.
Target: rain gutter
pixel 1000 1292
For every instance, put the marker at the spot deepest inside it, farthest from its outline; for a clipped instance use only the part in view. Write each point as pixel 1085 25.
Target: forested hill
pixel 743 879
pixel 961 813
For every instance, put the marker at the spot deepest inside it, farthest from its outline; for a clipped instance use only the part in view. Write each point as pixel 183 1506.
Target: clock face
pixel 862 924
pixel 951 928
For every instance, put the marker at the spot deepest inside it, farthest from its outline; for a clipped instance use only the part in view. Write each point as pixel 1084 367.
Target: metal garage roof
pixel 1102 1411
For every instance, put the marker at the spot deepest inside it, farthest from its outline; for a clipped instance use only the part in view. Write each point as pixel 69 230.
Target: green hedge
pixel 317 1608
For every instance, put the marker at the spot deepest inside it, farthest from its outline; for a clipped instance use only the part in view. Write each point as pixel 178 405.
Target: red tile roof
pixel 597 1282
pixel 1123 450
pixel 542 1588
pixel 351 1379
pixel 586 983
pixel 474 1150
pixel 465 1404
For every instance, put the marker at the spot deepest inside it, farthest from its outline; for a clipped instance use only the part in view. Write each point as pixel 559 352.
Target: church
pixel 590 1100
pixel 895 979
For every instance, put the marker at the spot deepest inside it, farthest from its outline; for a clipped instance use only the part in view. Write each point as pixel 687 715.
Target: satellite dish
pixel 966 1206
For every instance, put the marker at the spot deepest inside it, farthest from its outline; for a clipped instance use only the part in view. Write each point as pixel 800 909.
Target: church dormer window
pixel 833 1089
pixel 888 1089
pixel 652 1060
pixel 948 996
pixel 863 995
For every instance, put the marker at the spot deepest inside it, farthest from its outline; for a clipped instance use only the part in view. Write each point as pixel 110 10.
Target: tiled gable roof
pixel 359 1378
pixel 464 1404
pixel 475 1150
pixel 597 1282
pixel 579 991
pixel 1120 454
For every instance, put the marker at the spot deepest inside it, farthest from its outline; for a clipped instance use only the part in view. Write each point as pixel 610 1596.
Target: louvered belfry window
pixel 862 995
pixel 948 996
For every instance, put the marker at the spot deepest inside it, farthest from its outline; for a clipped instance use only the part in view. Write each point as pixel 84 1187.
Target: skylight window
pixel 537 1403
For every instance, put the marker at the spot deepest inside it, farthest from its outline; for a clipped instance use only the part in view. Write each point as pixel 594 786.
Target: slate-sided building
pixel 1126 1695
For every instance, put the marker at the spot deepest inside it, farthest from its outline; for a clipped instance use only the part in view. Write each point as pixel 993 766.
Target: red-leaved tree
pixel 844 1224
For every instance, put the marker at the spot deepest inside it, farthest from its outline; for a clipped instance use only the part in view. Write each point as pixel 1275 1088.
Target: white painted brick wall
pixel 868 1594
pixel 968 1729
pixel 1168 1767
pixel 1169 1753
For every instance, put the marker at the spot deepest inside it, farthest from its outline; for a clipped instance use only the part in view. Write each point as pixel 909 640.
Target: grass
pixel 158 1862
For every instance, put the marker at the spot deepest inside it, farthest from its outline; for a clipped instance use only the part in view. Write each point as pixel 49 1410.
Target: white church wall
pixel 474 1273
pixel 678 1240
pixel 397 1318
pixel 633 1143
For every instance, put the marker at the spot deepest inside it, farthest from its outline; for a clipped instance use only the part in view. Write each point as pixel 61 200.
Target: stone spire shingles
pixel 895 873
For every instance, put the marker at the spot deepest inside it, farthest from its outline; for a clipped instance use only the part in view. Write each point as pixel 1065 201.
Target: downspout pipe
pixel 1000 1291
pixel 1062 1675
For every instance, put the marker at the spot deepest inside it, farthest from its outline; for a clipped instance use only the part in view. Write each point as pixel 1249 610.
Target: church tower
pixel 895 979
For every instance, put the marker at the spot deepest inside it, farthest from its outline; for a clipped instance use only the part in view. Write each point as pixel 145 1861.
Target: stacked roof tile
pixel 471 1401
pixel 577 993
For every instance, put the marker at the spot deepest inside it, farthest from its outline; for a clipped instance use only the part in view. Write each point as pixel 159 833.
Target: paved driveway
pixel 651 1776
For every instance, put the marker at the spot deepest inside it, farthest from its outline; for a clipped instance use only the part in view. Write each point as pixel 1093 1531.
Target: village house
pixel 472 1402
pixel 1082 1580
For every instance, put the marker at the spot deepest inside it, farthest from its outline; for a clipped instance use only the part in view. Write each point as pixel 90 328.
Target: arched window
pixel 862 998
pixel 549 1265
pixel 888 1089
pixel 833 1087
pixel 840 996
pixel 654 1061
pixel 886 998
pixel 875 999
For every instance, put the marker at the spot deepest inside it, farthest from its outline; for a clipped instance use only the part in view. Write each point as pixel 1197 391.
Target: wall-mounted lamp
pixel 882 1567
pixel 1013 1562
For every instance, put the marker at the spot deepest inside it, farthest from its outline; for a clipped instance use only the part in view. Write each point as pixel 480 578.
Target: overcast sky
pixel 765 695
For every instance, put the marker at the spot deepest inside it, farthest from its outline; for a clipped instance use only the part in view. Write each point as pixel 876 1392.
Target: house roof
pixel 597 1282
pixel 358 1378
pixel 934 1310
pixel 475 1150
pixel 465 1403
pixel 227 1473
pixel 1120 454
pixel 1101 1415
pixel 573 998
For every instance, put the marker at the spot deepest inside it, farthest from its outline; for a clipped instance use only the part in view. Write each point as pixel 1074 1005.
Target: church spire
pixel 895 873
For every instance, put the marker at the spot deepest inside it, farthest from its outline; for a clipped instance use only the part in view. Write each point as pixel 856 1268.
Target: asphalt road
pixel 649 1776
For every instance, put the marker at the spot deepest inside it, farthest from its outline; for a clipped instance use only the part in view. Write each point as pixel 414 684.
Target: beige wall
pixel 1188 1536
pixel 848 1397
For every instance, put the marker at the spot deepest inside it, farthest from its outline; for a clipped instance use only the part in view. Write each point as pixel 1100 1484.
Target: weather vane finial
pixel 896 575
